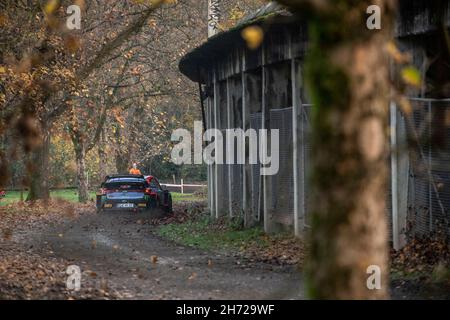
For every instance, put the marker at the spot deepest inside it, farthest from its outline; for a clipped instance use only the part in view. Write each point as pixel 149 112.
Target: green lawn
pixel 72 195
pixel 176 196
pixel 204 233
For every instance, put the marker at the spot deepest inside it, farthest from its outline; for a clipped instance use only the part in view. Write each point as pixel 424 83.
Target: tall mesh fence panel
pixel 428 131
pixel 283 181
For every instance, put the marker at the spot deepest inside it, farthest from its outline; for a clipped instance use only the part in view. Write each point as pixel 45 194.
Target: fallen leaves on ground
pixel 283 251
pixel 421 269
pixel 183 211
pixel 36 214
pixel 422 254
pixel 192 276
pixel 25 274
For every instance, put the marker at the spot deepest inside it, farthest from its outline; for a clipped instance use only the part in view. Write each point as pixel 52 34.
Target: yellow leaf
pixel 2 70
pixel 254 36
pixel 3 20
pixel 411 76
pixel 51 6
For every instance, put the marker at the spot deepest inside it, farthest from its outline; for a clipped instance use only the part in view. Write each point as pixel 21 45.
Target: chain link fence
pixel 423 184
pixel 256 124
pixel 428 130
pixel 282 183
pixel 427 149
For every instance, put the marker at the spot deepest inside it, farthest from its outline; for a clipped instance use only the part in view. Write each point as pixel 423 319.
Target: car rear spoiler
pixel 124 176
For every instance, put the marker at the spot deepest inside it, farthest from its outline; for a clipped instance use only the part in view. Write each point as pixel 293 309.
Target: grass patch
pixel 71 195
pixel 205 233
pixel 177 197
pixel 197 229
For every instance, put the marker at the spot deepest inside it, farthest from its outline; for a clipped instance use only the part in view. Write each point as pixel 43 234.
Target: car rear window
pixel 125 183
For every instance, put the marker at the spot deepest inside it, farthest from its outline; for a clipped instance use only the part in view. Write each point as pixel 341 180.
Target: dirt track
pixel 121 257
pixel 120 249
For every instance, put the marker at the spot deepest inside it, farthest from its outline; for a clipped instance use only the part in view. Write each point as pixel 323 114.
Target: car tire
pixel 169 208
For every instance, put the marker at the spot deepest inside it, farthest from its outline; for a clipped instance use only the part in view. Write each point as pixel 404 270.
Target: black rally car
pixel 132 192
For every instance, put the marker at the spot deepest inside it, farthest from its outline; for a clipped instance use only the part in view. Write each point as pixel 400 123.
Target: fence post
pixel 229 144
pixel 430 170
pixel 218 184
pixel 296 105
pixel 399 177
pixel 394 182
pixel 182 186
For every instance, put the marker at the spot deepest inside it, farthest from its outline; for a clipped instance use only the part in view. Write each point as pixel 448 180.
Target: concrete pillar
pixel 230 166
pixel 399 177
pixel 246 168
pixel 296 133
pixel 211 168
pixel 208 171
pixel 217 177
pixel 266 180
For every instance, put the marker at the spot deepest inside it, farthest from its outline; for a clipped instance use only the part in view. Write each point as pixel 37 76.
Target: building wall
pixel 257 89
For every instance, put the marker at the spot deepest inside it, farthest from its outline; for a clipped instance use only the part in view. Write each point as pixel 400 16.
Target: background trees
pixel 79 104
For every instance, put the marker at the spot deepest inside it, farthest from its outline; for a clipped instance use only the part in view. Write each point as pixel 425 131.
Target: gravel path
pixel 123 253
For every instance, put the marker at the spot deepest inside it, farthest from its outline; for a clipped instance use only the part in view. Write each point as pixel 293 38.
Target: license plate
pixel 125 205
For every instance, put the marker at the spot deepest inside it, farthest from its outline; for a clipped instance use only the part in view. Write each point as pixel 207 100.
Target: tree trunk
pixel 82 183
pixel 125 149
pixel 38 169
pixel 122 162
pixel 348 78
pixel 102 156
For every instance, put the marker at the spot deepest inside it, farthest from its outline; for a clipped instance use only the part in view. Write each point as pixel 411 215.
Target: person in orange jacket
pixel 135 170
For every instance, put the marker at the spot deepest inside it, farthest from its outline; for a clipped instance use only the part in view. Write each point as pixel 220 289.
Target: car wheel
pixel 169 208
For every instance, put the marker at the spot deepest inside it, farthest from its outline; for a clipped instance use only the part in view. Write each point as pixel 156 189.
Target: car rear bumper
pixel 131 204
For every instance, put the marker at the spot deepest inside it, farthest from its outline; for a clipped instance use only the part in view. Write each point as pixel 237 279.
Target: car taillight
pixel 104 191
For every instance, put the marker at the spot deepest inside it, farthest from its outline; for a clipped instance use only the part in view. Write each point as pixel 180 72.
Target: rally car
pixel 133 192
